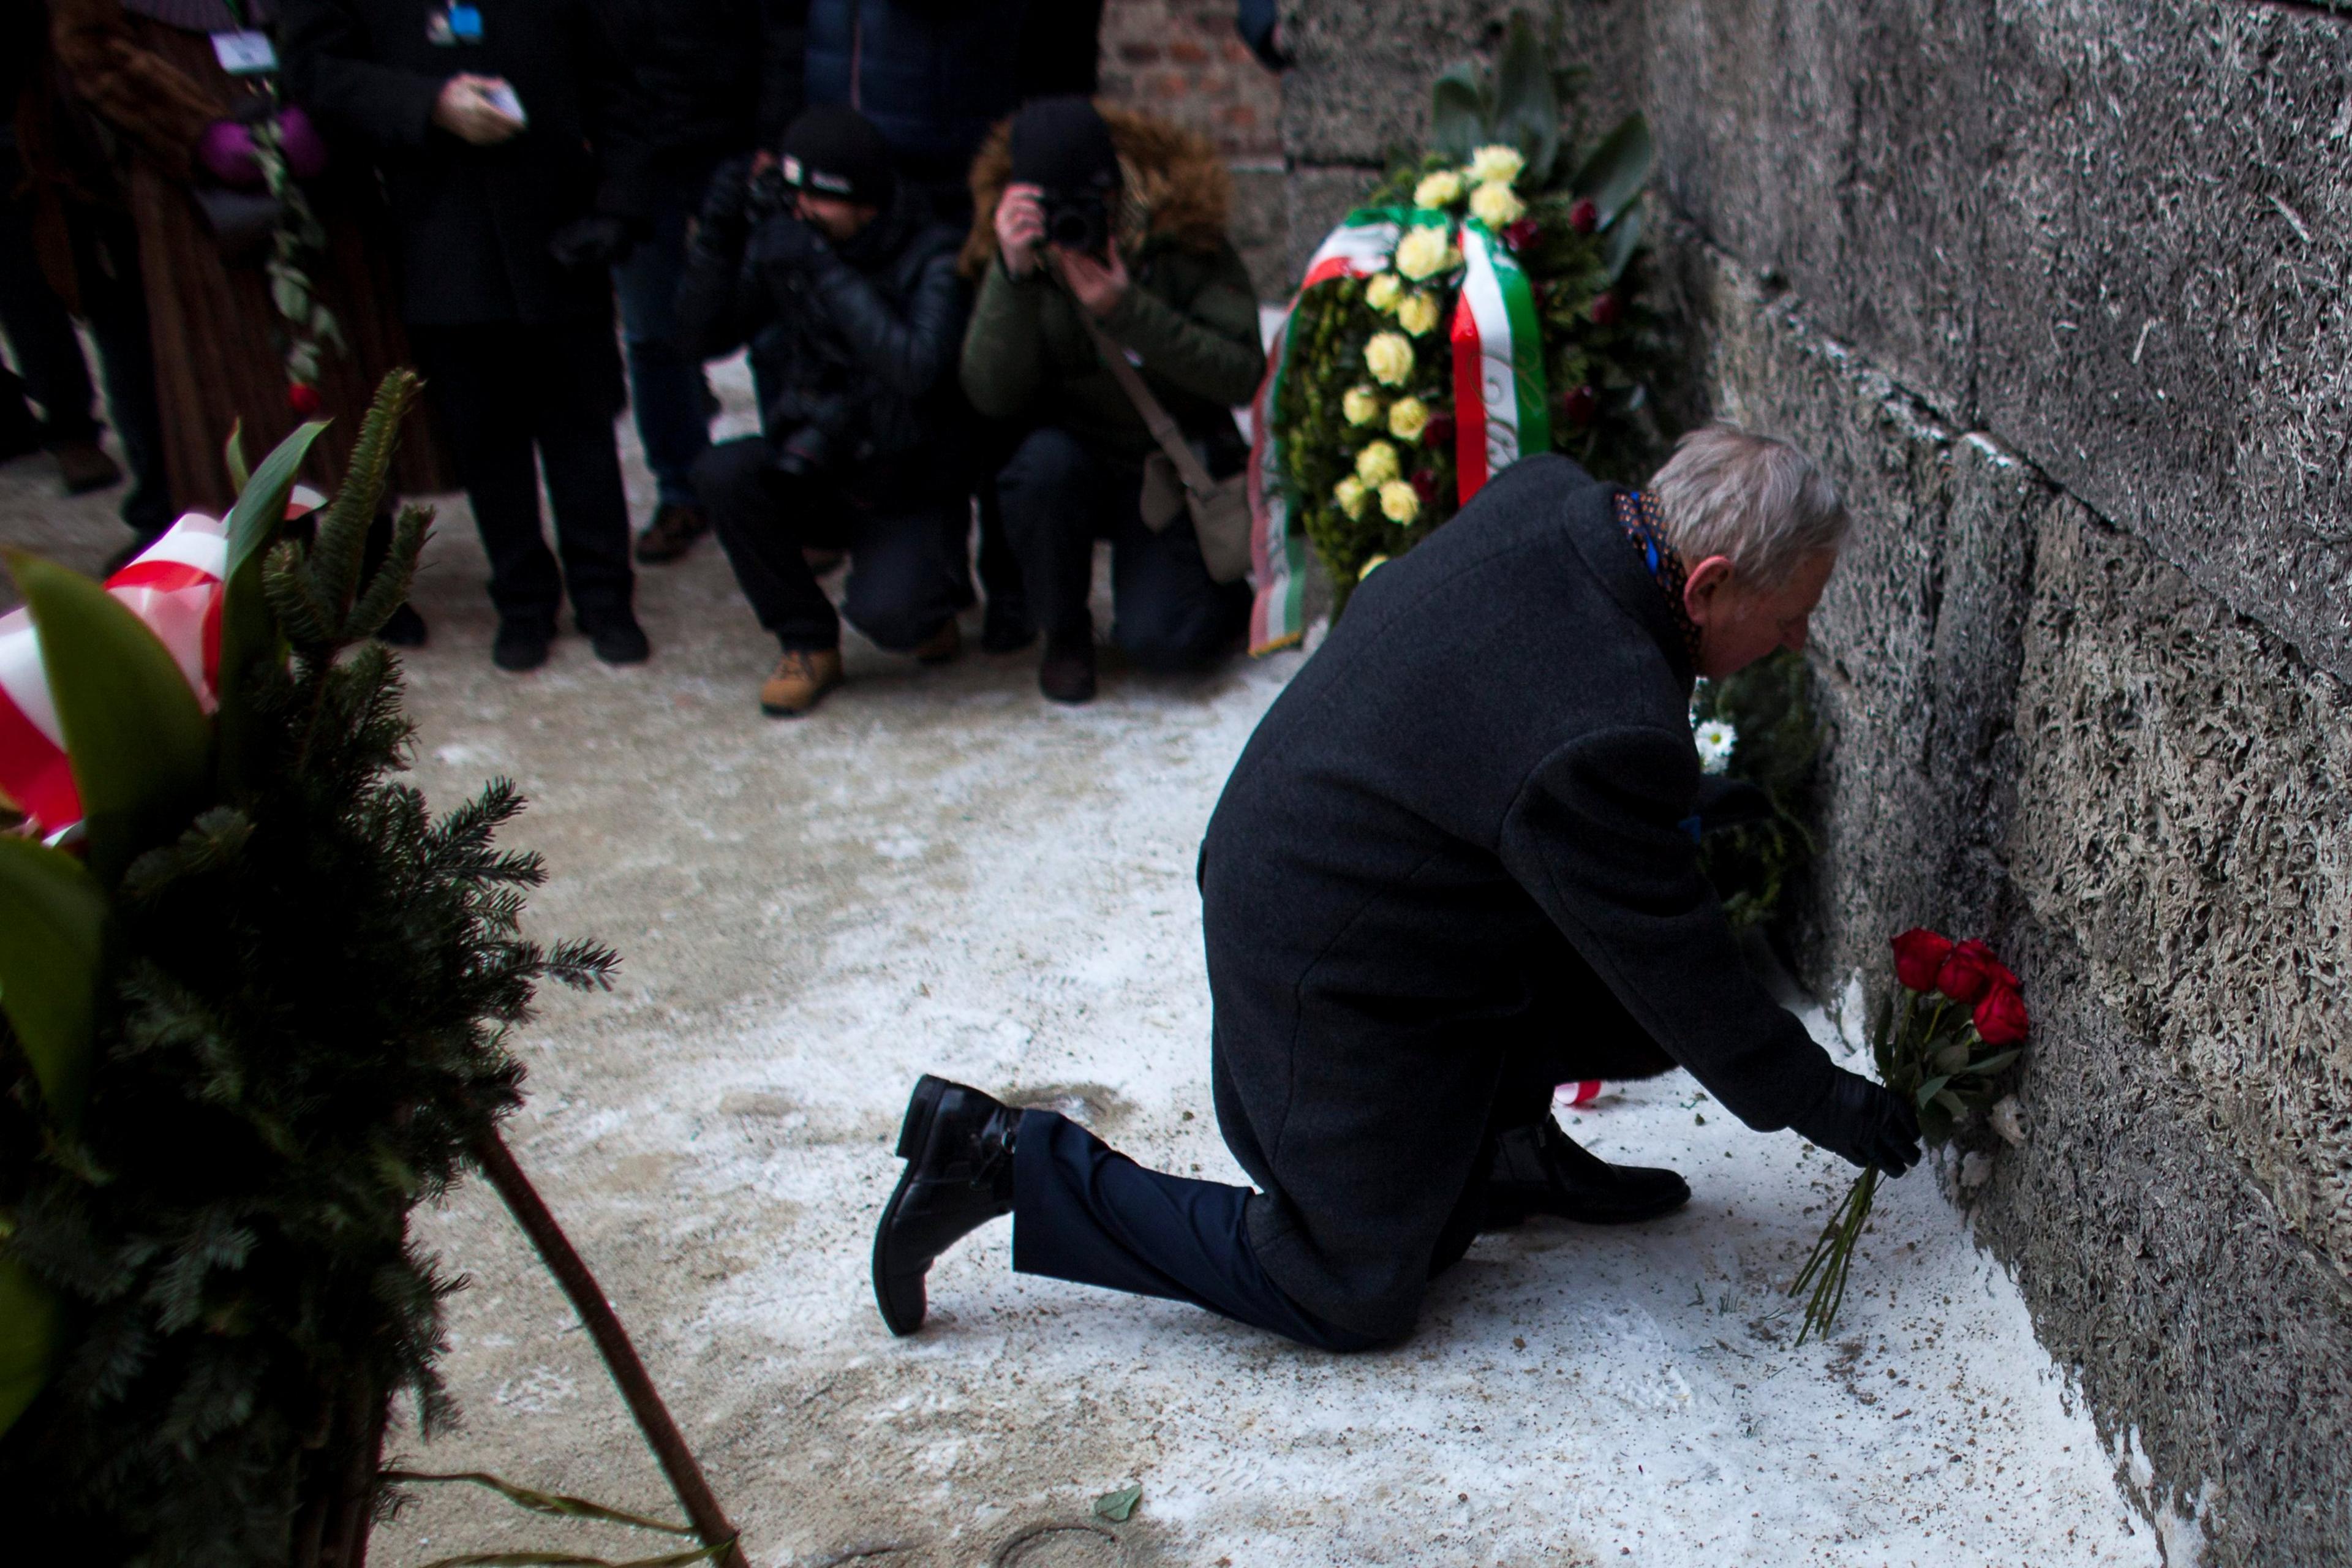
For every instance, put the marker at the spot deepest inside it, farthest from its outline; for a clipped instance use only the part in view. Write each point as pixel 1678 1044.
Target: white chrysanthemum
pixel 1383 291
pixel 1361 405
pixel 1417 314
pixel 1442 189
pixel 1377 463
pixel 1407 418
pixel 1715 740
pixel 1399 502
pixel 1496 205
pixel 1389 356
pixel 1426 252
pixel 1351 494
pixel 1496 164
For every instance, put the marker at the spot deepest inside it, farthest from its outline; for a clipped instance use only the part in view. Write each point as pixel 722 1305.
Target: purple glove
pixel 306 153
pixel 225 150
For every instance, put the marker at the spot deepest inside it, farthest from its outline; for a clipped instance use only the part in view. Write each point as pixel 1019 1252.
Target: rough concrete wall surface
pixel 2056 290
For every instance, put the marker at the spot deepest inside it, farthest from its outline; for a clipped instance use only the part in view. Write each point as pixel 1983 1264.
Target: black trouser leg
pixel 1172 614
pixel 115 306
pixel 480 389
pixel 1086 1213
pixel 38 327
pixel 763 518
pixel 1057 497
pixel 577 398
pixel 908 573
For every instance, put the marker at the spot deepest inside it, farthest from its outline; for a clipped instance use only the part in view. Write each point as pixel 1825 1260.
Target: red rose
pixel 1439 432
pixel 1584 218
pixel 2000 1017
pixel 1581 405
pixel 1606 308
pixel 1424 484
pixel 1969 971
pixel 1521 235
pixel 1919 954
pixel 303 398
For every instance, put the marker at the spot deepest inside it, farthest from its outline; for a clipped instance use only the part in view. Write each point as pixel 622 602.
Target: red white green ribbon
pixel 1358 247
pixel 1499 412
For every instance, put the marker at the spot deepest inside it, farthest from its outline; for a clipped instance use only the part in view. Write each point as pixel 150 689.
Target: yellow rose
pixel 1377 463
pixel 1495 204
pixel 1496 164
pixel 1351 494
pixel 1417 313
pixel 1442 189
pixel 1426 252
pixel 1383 291
pixel 1389 356
pixel 1361 405
pixel 1366 569
pixel 1408 418
pixel 1399 502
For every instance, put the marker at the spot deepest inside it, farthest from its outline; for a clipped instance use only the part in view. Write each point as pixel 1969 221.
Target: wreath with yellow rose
pixel 1483 305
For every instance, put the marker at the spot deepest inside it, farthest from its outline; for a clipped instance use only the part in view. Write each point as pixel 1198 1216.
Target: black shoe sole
pixel 901 1298
pixel 1505 1210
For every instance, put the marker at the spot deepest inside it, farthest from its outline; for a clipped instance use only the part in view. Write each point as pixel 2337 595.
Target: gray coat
pixel 1468 803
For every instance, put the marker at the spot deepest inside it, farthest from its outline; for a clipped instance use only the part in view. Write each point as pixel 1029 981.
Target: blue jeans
pixel 667 393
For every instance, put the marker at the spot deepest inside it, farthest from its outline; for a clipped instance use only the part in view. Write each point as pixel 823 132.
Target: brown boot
pixel 803 677
pixel 940 645
pixel 84 466
pixel 671 533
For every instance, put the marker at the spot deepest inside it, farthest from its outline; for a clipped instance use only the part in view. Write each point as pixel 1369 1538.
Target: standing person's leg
pixel 1170 613
pixel 575 396
pixel 667 393
pixel 106 254
pixel 907 577
pixel 477 379
pixel 48 351
pixel 764 519
pixel 1056 496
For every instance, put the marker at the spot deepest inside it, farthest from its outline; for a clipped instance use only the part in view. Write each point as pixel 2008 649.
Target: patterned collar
pixel 1637 514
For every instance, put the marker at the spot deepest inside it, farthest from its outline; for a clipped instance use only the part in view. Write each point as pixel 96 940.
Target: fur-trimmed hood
pixel 1177 186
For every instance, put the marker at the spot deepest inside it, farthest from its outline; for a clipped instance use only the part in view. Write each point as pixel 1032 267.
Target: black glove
pixel 1731 802
pixel 784 243
pixel 587 242
pixel 724 221
pixel 1864 1122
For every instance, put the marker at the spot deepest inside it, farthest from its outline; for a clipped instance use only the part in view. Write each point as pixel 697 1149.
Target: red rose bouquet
pixel 1961 1024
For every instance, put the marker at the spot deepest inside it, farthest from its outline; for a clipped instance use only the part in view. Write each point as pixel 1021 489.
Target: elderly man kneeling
pixel 1453 869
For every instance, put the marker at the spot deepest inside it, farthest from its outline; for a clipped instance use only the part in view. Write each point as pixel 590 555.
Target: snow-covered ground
pixel 939 871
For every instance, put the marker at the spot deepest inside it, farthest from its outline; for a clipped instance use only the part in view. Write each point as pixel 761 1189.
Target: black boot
pixel 958 1145
pixel 1541 1170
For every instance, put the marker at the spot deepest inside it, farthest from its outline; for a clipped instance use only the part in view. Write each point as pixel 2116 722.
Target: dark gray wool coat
pixel 1475 787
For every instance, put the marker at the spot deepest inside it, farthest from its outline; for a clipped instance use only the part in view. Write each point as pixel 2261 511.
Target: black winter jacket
pixel 711 78
pixel 879 319
pixel 1478 783
pixel 474 222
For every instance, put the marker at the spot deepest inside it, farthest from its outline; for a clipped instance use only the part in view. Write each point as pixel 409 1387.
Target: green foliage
pixel 52 918
pixel 299 1030
pixel 1756 866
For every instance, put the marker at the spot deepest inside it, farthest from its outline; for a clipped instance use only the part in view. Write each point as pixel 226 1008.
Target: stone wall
pixel 2057 289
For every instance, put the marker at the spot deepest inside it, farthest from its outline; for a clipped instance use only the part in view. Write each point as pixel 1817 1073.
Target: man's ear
pixel 1702 588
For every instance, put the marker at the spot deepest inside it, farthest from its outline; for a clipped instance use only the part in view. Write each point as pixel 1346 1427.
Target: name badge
pixel 244 52
pixel 456 23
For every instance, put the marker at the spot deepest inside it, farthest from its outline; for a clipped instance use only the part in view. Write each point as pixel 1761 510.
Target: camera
pixel 1078 220
pixel 765 194
pixel 821 443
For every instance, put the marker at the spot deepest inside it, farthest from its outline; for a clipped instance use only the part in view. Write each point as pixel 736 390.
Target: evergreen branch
pixel 307 619
pixel 389 588
pixel 583 965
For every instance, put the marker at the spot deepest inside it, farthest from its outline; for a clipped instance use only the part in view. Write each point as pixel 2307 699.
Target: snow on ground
pixel 940 872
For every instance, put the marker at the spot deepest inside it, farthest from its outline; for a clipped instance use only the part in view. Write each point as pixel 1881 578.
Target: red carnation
pixel 1919 955
pixel 1606 308
pixel 1581 405
pixel 1521 235
pixel 303 398
pixel 1969 971
pixel 1424 484
pixel 1439 432
pixel 1584 218
pixel 2000 1017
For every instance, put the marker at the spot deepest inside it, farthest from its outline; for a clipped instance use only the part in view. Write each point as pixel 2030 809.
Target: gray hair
pixel 1760 501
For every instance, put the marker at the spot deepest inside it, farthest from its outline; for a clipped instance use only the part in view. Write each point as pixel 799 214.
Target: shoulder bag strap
pixel 1164 429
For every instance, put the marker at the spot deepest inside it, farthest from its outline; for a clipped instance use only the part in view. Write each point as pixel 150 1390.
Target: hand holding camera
pixel 1021 227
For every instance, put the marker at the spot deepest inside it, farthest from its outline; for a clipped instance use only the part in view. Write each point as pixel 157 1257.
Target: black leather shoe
pixel 619 641
pixel 404 628
pixel 1541 1170
pixel 958 1145
pixel 520 646
pixel 1067 674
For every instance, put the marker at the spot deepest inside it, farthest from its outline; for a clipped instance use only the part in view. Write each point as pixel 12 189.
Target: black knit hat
pixel 834 151
pixel 1063 145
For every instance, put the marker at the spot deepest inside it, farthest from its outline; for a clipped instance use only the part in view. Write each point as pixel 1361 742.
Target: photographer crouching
pixel 1101 248
pixel 849 296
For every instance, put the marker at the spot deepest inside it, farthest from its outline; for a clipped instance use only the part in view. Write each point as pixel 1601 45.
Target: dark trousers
pixel 106 257
pixel 667 393
pixel 506 391
pixel 1058 499
pixel 908 575
pixel 1086 1213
